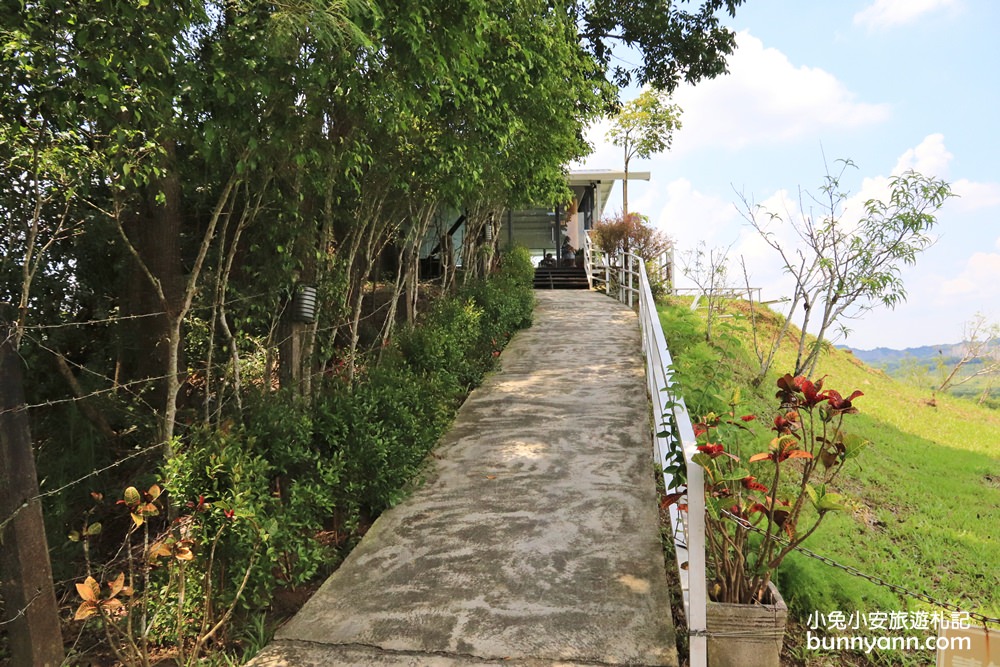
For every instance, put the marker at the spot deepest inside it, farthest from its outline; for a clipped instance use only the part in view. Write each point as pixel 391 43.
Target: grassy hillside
pixel 927 367
pixel 926 491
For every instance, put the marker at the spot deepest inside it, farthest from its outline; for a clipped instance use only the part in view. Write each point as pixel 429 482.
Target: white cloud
pixel 974 196
pixel 930 158
pixel 888 13
pixel 980 278
pixel 766 99
pixel 690 216
pixel 605 154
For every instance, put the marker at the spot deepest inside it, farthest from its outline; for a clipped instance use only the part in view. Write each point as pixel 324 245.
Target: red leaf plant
pixel 748 490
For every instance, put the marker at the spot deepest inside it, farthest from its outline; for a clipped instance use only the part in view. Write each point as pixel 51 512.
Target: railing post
pixel 621 278
pixel 692 521
pixel 697 588
pixel 607 273
pixel 631 282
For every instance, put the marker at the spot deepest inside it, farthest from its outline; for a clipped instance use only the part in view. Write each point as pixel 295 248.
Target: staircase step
pixel 560 277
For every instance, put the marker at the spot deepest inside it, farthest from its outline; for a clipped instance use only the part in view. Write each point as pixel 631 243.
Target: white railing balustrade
pixel 688 525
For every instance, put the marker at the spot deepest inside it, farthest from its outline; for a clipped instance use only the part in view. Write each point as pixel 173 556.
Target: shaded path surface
pixel 533 539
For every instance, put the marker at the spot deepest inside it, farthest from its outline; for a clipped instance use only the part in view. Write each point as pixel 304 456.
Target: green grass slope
pixel 926 490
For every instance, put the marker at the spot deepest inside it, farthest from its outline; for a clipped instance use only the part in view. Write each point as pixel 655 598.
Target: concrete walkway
pixel 534 538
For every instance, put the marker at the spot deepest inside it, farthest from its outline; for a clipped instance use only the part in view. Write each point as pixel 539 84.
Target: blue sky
pixel 888 84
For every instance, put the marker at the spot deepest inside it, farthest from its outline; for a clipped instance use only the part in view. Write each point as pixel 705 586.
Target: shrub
pixel 275 478
pixel 443 343
pixel 632 233
pixel 300 469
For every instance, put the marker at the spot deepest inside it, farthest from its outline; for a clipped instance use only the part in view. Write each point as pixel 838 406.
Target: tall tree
pixel 645 125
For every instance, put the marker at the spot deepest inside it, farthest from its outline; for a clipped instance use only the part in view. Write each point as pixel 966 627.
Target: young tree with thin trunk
pixel 981 342
pixel 844 266
pixel 708 268
pixel 644 126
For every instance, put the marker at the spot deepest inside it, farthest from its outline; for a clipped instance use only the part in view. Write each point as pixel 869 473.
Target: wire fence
pixel 36 337
pixel 33 335
pixel 878 581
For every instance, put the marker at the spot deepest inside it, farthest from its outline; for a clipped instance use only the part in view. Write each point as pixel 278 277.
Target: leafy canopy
pixel 674 44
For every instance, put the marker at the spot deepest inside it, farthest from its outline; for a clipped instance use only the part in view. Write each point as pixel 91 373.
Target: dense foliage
pixel 171 181
pixel 310 474
pixel 274 501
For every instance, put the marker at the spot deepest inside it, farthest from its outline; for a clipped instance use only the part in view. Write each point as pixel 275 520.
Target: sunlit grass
pixel 926 491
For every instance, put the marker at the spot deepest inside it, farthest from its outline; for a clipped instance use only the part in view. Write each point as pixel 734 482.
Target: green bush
pixel 506 299
pixel 278 488
pixel 446 341
pixel 462 334
pixel 381 431
pixel 295 470
pixel 517 269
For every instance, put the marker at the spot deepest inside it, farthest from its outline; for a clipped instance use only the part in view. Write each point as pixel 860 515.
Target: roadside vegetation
pixel 249 265
pixel 205 553
pixel 923 497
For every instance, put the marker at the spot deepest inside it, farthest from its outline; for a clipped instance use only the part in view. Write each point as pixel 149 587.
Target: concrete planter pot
pixel 746 635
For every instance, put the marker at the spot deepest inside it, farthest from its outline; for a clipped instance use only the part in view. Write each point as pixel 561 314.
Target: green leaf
pixel 831 502
pixel 712 505
pixel 737 474
pixel 853 445
pixel 132 497
pixel 93 529
pixel 702 459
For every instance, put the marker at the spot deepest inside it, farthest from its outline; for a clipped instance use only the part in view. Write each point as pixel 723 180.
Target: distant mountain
pixel 883 356
pixel 932 357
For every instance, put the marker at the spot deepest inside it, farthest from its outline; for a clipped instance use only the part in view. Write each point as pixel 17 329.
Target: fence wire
pixel 878 581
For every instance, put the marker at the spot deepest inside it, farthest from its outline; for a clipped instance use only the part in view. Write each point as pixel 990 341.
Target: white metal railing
pixel 588 259
pixel 688 526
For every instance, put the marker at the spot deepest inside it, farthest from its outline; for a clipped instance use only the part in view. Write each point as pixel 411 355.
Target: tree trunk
pixel 155 293
pixel 93 415
pixel 625 191
pixel 30 606
pixel 800 357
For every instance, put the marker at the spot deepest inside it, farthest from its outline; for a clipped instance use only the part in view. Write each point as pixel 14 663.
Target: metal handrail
pixel 588 266
pixel 688 526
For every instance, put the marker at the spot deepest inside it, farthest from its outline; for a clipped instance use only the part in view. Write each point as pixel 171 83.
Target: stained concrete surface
pixel 533 539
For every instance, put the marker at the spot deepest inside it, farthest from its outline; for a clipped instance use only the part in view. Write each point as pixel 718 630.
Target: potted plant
pixel 760 505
